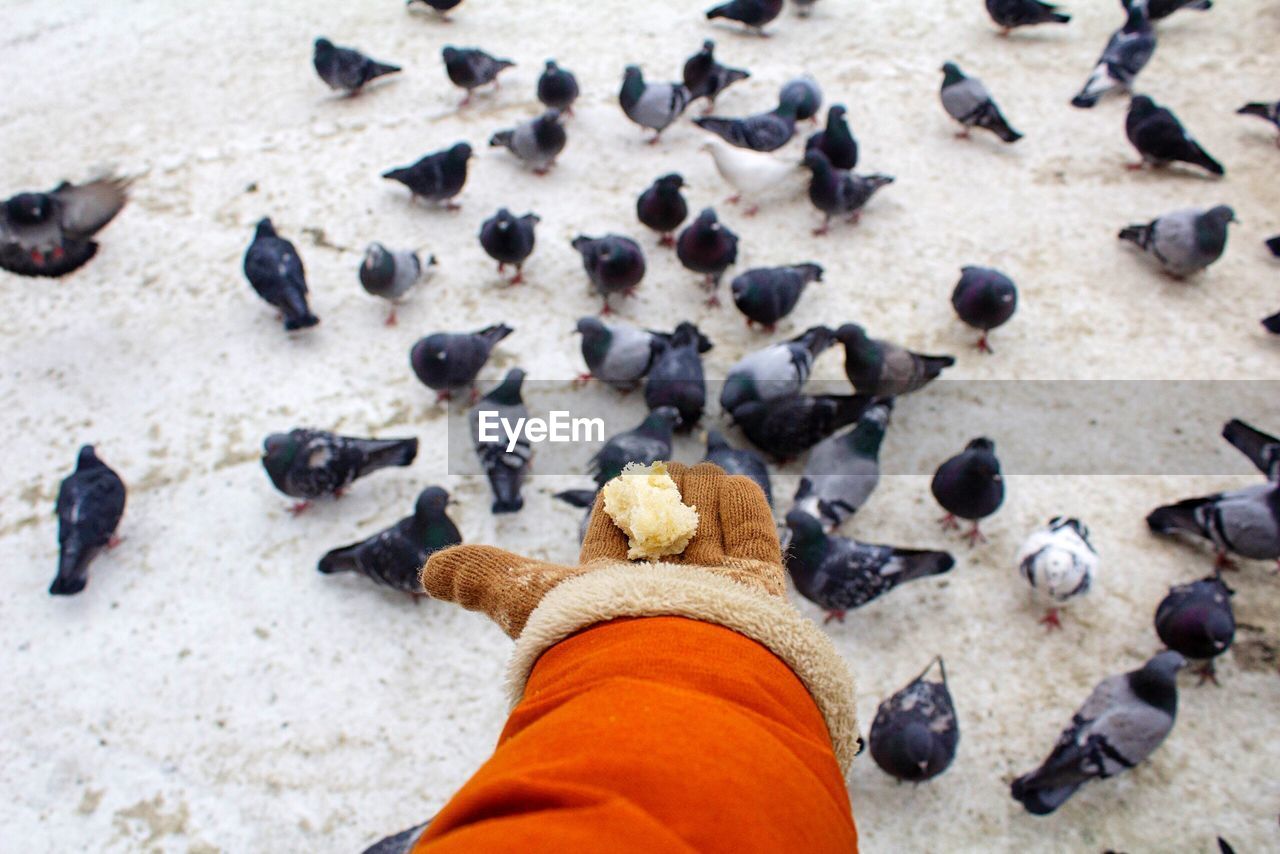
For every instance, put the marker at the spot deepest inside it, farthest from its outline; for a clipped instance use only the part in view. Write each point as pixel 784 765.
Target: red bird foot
pixel 834 614
pixel 582 379
pixel 1050 620
pixel 962 134
pixel 733 200
pixel 1207 673
pixel 605 311
pixel 974 536
pixel 1222 561
pixel 114 541
pixel 299 508
pixel 822 229
pixel 984 346
pixel 391 319
pixel 948 522
pixel 518 278
pixel 653 140
pixel 667 239
pixel 452 206
pixel 1134 167
pixel 713 301
pixel 444 395
pixel 473 397
pixel 751 211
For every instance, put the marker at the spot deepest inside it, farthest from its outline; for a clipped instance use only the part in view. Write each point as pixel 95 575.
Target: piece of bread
pixel 645 503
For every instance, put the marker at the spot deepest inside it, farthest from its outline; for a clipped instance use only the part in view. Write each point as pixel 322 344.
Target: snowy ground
pixel 210 691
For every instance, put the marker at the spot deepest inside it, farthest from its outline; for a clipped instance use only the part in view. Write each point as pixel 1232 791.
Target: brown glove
pixel 736 539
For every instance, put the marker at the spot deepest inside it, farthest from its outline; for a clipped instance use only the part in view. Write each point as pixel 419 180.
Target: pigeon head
pixel 670 182
pixel 809 271
pixel 835 113
pixel 503 220
pixel 816 160
pixel 982 457
pixel 660 422
pixel 431 502
pixel 552 68
pixel 87 458
pixel 29 208
pixel 916 743
pixel 807 537
pixel 632 74
pixel 1157 681
pixel 378 262
pixel 460 153
pixel 323 46
pixel 951 74
pixel 708 47
pixel 815 339
pixel 707 221
pixel 589 326
pixel 451 54
pixel 851 335
pixel 1141 105
pixel 278 453
pixel 265 228
pixel 1082 530
pixel 1221 215
pixel 508 391
pixel 550 117
pixel 688 335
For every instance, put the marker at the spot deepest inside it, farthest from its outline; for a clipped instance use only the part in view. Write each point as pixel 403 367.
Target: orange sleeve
pixel 655 734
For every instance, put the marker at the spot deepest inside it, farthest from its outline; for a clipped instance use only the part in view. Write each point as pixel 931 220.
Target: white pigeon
pixel 756 175
pixel 1059 563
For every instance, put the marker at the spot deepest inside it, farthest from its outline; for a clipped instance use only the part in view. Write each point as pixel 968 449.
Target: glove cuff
pixel 663 589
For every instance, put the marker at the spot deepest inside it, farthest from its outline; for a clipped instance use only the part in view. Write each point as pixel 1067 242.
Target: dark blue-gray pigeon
pixel 1244 522
pixel 967 101
pixel 649 441
pixel 509 239
pixel 743 461
pixel 765 295
pixel 1127 52
pixel 839 192
pixel 391 274
pixel 884 369
pixel 790 425
pixel 273 268
pixel 1197 621
pixel 804 94
pixel 470 68
pixel 51 234
pixel 761 132
pixel 969 486
pixel 753 14
pixel 90 503
pixel 309 464
pixel 557 87
pixel 345 69
pixel 844 469
pixel 536 142
pixel 505 460
pixel 706 246
pixel 446 362
pixel 1011 14
pixel 651 105
pixel 617 354
pixel 836 141
pixel 706 78
pixel 915 732
pixel 985 299
pixel 1184 242
pixel 779 370
pixel 1161 139
pixel 662 208
pixel 437 177
pixel 676 377
pixel 614 264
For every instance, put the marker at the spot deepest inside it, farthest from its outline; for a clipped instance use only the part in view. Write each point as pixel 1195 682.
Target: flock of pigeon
pixel 915 734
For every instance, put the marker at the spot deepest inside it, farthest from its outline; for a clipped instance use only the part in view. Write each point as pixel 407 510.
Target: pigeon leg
pixel 451 205
pixel 1223 561
pixel 299 508
pixel 1135 167
pixel 629 293
pixel 542 171
pixel 824 228
pixel 475 395
pixel 734 199
pixel 836 614
pixel 502 268
pixel 1004 32
pixel 769 328
pixel 605 310
pixel 391 317
pixel 519 276
pixel 444 395
pixel 974 536
pixel 713 301
pixel 653 140
pixel 114 541
pixel 1207 673
pixel 855 217
pixel 667 239
pixel 1050 620
pixel 582 379
pixel 465 101
pixel 963 134
pixel 984 346
pixel 37 256
pixel 949 523
pixel 751 211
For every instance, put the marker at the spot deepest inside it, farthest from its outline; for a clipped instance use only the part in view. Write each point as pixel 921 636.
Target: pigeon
pixel 613 263
pixel 1127 53
pixel 839 574
pixel 765 295
pixel 307 464
pixel 651 105
pixel 345 69
pixel 1161 139
pixel 393 557
pixel 709 248
pixel 649 441
pixel 985 299
pixel 1059 563
pixel 1184 241
pixel 617 354
pixel 437 177
pixel 441 8
pixel 1124 720
pixel 90 504
pixel 508 239
pixel 1011 14
pixel 504 468
pixel 742 461
pixel 584 499
pixel 391 275
pixel 804 7
pixel 1262 449
pixel 1196 621
pixel 967 101
pixel 50 234
pixel 753 13
pixel 557 87
pixel 884 369
pixel 790 425
pixel 779 370
pixel 1244 521
pixel 1273 245
pixel 662 207
pixel 761 132
pixel 969 486
pixel 1270 112
pixel 839 192
pixel 915 733
pixel 448 361
pixel 836 141
pixel 805 94
pixel 1160 9
pixel 844 469
pixel 470 68
pixel 273 267
pixel 754 174
pixel 706 78
pixel 536 142
pixel 676 377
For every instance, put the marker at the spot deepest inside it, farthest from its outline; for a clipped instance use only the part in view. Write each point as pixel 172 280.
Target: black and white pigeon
pixel 614 264
pixel 537 142
pixel 470 68
pixel 836 141
pixel 743 461
pixel 394 556
pixel 984 299
pixel 1267 111
pixel 840 574
pixel 504 461
pixel 663 208
pixel 844 469
pixel 649 441
pixel 1186 241
pixel 1011 14
pixel 51 234
pixel 788 426
pixel 1122 723
pixel 308 464
pixel 1127 53
pixel 706 78
pixel 651 105
pixel 557 87
pixel 345 69
pixel 1262 449
pixel 438 177
pixel 1160 9
pixel 804 94
pixel 706 246
pixel 441 8
pixel 509 239
pixel 273 268
pixel 583 499
pixel 446 362
pixel 839 192
pixel 1060 563
pixel 1161 139
pixel 391 274
pixel 617 354
pixel 90 504
pixel 676 377
pixel 754 14
pixel 779 370
pixel 883 369
pixel 761 132
pixel 915 732
pixel 967 101
pixel 1244 522
pixel 1197 621
pixel 765 295
pixel 969 486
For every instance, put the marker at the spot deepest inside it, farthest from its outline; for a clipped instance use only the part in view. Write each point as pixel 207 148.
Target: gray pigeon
pixel 1127 53
pixel 308 464
pixel 778 370
pixel 90 503
pixel 884 369
pixel 1245 521
pixel 537 142
pixel 438 177
pixel 915 733
pixel 706 78
pixel 1262 449
pixel 613 263
pixel 470 68
pixel 345 69
pixel 651 105
pixel 841 574
pixel 1010 14
pixel 273 268
pixel 804 94
pixel 1184 241
pixel 1267 111
pixel 1161 139
pixel 839 192
pixel 844 469
pixel 505 461
pixel 762 132
pixel 765 295
pixel 743 461
pixel 50 234
pixel 392 274
pixel 649 441
pixel 617 354
pixel 967 101
pixel 448 361
pixel 1197 621
pixel 676 377
pixel 1122 723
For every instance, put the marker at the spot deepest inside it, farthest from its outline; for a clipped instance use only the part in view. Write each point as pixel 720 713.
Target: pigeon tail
pixel 1272 323
pixel 994 121
pixel 1136 234
pixel 505 483
pixel 338 560
pixel 389 452
pixel 1255 109
pixel 918 563
pixel 721 11
pixel 494 334
pixel 502 138
pixel 1041 801
pixel 1200 157
pixel 577 497
pixel 380 69
pixel 73 570
pixel 1274 245
pixel 1177 517
pixel 304 321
